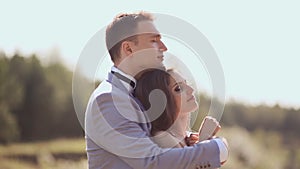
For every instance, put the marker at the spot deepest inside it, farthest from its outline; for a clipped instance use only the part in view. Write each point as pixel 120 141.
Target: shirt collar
pixel 127 85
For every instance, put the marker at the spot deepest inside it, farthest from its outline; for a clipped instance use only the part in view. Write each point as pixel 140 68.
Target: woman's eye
pixel 177 89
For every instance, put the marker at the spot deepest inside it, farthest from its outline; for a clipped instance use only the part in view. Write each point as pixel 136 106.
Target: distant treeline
pixel 276 118
pixel 36 103
pixel 35 100
pixel 283 121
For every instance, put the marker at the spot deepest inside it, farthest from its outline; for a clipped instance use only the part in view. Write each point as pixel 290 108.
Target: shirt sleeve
pixel 223 149
pixel 115 126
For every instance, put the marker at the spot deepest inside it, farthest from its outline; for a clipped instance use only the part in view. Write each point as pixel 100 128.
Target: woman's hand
pixel 209 128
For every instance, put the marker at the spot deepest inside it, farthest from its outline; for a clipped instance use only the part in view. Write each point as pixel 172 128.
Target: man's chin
pixel 158 66
pixel 161 67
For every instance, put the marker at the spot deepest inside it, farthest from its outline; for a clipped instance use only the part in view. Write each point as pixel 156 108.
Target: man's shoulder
pixel 106 92
pixel 103 87
pixel 108 88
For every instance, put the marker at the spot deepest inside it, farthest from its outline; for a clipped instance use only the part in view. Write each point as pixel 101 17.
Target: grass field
pixel 54 154
pixel 256 150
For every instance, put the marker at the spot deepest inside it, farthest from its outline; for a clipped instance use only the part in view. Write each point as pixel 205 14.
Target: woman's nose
pixel 190 90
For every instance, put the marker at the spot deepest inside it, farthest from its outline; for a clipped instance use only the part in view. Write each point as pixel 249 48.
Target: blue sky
pixel 257 42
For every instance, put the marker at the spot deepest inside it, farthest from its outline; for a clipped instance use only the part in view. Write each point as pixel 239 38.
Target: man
pixel 117 130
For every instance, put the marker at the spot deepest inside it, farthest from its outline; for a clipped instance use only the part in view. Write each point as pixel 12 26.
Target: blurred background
pixel 257 44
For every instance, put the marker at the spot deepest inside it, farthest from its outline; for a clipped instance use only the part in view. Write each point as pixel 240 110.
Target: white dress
pixel 166 139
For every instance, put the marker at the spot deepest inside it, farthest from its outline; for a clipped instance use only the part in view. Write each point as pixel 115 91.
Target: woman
pixel 170 124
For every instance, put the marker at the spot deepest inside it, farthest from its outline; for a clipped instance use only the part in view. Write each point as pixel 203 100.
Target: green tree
pixel 64 115
pixel 10 96
pixel 9 130
pixel 35 113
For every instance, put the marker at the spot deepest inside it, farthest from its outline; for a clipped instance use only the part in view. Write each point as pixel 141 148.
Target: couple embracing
pixel 138 117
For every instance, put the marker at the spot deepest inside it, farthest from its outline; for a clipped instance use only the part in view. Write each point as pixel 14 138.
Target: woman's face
pixel 183 94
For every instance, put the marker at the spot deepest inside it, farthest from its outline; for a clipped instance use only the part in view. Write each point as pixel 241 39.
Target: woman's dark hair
pixel 149 80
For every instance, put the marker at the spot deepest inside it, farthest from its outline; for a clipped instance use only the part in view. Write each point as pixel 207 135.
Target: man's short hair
pixel 123 28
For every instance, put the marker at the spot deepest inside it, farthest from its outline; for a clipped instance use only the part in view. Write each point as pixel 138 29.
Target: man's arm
pixel 122 135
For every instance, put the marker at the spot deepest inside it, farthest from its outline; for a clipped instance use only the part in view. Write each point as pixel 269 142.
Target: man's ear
pixel 126 48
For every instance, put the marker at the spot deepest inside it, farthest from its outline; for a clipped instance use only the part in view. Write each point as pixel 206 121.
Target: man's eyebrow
pixel 155 35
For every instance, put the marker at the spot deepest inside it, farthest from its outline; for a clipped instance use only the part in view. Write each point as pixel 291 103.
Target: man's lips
pixel 161 57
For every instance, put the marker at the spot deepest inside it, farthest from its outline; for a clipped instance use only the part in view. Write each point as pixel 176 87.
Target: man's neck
pixel 128 69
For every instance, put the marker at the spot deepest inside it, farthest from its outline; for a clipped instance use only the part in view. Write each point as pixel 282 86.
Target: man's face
pixel 148 51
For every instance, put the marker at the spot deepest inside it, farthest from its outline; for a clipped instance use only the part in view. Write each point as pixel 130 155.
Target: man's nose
pixel 162 47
